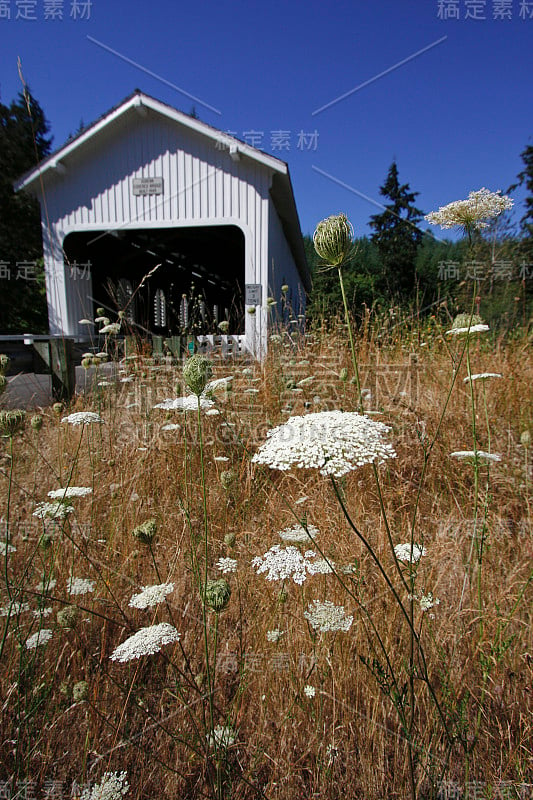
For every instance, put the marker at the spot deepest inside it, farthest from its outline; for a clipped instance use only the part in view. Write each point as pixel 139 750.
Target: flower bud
pixel 333 239
pixel 66 617
pixel 285 288
pixel 3 383
pixel 197 371
pixel 525 438
pixel 11 422
pixel 57 408
pixel 80 691
pixel 4 363
pixel 228 478
pixel 229 539
pixel 217 594
pixel 36 422
pixel 343 374
pixel 145 532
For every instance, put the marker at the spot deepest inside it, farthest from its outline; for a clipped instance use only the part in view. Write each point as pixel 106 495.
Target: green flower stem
pixel 352 343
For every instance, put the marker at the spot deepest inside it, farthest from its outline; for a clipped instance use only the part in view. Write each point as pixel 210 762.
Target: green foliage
pixel 23 143
pixel 525 178
pixel 397 236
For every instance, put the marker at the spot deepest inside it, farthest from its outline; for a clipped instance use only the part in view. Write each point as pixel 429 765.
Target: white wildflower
pixel 283 563
pixel 188 403
pixel 46 584
pixel 53 510
pixel 309 691
pixel 82 418
pixel 328 617
pixel 404 552
pixel 227 565
pixel 171 426
pixel 476 455
pixel 113 786
pixel 113 328
pixel 221 458
pixel 14 608
pixel 482 376
pixel 105 320
pixel 80 585
pixel 471 213
pixel 218 383
pixel 321 567
pixel 335 442
pixel 222 736
pixel 146 642
pixel 41 637
pixel 43 612
pixel 480 328
pixel 85 322
pixel 70 491
pixel 299 534
pixel 213 412
pixel 151 595
pixel 427 601
pixel 6 548
pixel 274 635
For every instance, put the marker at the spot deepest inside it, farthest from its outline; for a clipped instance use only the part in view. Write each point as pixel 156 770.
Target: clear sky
pixel 442 87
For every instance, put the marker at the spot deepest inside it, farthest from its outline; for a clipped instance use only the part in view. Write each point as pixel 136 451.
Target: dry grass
pixel 150 716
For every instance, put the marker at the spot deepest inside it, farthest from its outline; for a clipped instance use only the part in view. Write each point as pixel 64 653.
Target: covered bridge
pixel 149 190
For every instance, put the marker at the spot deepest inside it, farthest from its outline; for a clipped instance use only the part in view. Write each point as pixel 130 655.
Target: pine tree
pixel 23 143
pixel 397 236
pixel 525 178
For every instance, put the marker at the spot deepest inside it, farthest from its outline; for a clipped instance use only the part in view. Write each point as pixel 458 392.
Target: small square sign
pixel 252 294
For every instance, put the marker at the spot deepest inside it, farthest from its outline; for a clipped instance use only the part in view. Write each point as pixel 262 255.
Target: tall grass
pixel 223 712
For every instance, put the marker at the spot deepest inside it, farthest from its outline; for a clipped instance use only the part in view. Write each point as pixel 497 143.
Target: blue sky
pixel 453 107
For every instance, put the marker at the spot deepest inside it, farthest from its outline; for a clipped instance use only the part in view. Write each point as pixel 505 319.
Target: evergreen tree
pixel 397 236
pixel 525 178
pixel 23 143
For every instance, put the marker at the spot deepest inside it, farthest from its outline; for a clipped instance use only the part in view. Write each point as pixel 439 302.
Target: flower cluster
pixel 284 563
pixel 53 510
pixel 409 553
pixel 151 595
pixel 113 786
pixel 70 491
pixel 274 635
pixel 82 418
pixel 481 376
pixel 222 736
pixel 471 213
pixel 145 642
pixel 79 585
pixel 476 455
pixel 299 534
pixel 334 442
pixel 41 637
pixel 227 564
pixel 190 402
pixel 327 616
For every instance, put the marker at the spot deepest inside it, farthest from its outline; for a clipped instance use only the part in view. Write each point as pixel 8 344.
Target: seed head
pixel 11 422
pixel 197 372
pixel 80 691
pixel 333 239
pixel 36 422
pixel 145 532
pixel 217 594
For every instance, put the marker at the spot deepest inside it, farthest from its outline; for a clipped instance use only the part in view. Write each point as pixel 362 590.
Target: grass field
pixel 426 691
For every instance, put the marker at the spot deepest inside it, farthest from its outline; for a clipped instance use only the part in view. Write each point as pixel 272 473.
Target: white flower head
pixel 146 641
pixel 309 691
pixel 274 635
pixel 404 552
pixel 299 534
pixel 70 491
pixel 335 442
pixel 56 510
pixel 327 616
pixel 283 563
pixel 83 418
pixel 476 455
pixel 321 566
pixel 80 585
pixel 113 786
pixel 227 565
pixel 6 548
pixel 480 328
pixel 471 213
pixel 113 328
pixel 481 376
pixel 188 403
pixel 39 638
pixel 14 608
pixel 151 595
pixel 222 736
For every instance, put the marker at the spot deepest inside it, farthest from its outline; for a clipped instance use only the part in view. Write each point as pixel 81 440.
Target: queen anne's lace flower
pixel 222 736
pixel 113 786
pixel 481 328
pixel 334 442
pixel 188 403
pixel 227 564
pixel 14 608
pixel 82 418
pixel 283 563
pixel 471 213
pixel 53 510
pixel 80 586
pixel 404 553
pixel 327 616
pixel 113 328
pixel 321 567
pixel 151 595
pixel 274 635
pixel 299 534
pixel 70 491
pixel 481 376
pixel 476 455
pixel 39 638
pixel 309 691
pixel 145 642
